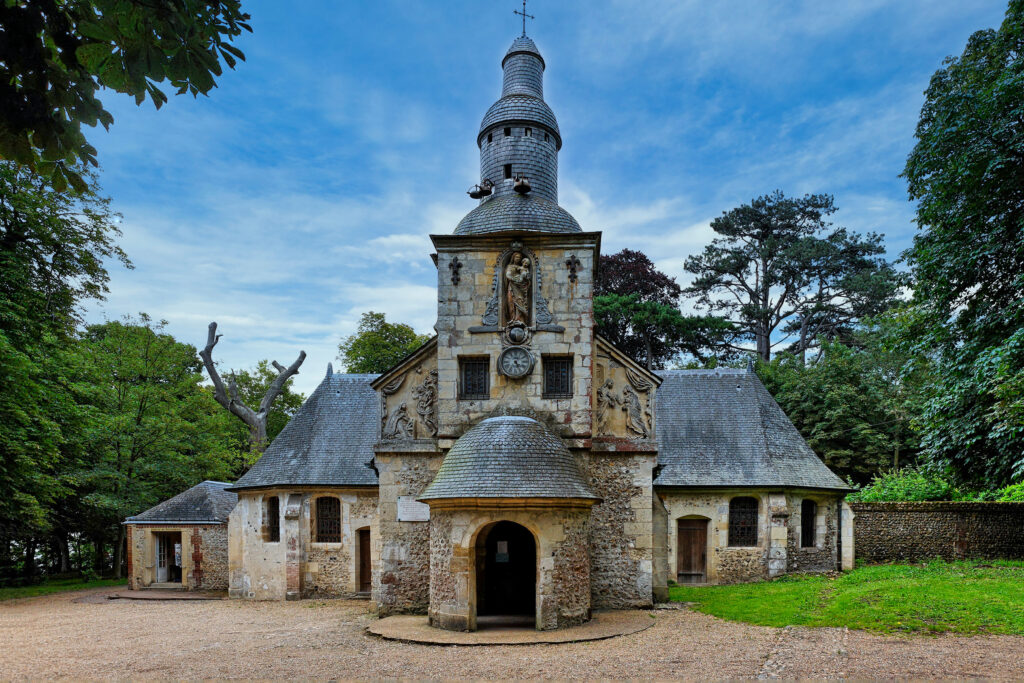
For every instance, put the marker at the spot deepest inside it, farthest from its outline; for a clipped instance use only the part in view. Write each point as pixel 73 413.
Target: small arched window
pixel 808 522
pixel 273 520
pixel 328 520
pixel 743 521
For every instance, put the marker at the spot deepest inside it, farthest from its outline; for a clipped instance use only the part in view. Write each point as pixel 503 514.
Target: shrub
pixel 904 485
pixel 1014 493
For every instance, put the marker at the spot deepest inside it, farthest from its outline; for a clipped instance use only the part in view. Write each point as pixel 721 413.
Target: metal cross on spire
pixel 524 15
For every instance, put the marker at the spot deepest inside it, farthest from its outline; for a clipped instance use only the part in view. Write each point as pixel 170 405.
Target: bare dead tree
pixel 255 419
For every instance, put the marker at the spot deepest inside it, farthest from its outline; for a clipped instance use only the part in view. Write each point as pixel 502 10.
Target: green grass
pixel 56 586
pixel 958 597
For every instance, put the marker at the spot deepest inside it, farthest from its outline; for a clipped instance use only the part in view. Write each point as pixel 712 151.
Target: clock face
pixel 516 362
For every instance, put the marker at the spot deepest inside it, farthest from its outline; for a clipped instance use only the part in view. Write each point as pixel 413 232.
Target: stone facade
pixel 890 532
pixel 465 331
pixel 204 555
pixel 296 565
pixel 401 580
pixel 778 549
pixel 563 582
pixel 621 538
pixel 517 455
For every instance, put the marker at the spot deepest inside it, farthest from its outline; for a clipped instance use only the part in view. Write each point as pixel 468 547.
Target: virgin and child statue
pixel 517 290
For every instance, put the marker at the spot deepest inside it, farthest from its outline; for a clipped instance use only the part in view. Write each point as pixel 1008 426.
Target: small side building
pixel 182 543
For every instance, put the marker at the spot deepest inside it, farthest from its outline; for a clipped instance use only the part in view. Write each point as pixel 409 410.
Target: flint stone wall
pixel 892 531
pixel 210 557
pixel 401 577
pixel 621 530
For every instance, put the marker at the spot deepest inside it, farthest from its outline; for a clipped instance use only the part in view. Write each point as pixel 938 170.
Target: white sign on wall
pixel 411 510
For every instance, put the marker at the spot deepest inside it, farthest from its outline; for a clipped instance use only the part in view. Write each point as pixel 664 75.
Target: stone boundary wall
pixel 919 531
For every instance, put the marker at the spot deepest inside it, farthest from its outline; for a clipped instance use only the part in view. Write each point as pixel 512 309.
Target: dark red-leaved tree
pixel 636 308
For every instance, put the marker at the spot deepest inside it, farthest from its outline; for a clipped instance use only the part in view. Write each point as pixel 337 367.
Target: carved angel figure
pixel 606 399
pixel 634 412
pixel 517 289
pixel 426 401
pixel 399 424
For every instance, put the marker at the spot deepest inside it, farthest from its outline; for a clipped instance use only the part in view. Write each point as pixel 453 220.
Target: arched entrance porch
pixel 506 571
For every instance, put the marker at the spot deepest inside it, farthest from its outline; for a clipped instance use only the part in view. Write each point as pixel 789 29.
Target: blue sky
pixel 302 191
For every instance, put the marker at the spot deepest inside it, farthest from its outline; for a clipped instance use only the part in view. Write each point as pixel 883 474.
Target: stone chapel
pixel 518 463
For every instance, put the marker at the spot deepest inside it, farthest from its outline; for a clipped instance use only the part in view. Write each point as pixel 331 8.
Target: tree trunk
pixel 29 568
pixel 98 561
pixel 119 552
pixel 61 541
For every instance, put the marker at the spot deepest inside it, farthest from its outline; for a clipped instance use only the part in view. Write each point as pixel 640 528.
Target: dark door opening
pixel 364 560
pixel 506 575
pixel 692 551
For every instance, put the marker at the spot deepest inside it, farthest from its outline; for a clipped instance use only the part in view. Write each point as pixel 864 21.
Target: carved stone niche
pixel 517 299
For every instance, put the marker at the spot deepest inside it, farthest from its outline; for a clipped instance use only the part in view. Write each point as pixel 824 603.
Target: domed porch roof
pixel 508 457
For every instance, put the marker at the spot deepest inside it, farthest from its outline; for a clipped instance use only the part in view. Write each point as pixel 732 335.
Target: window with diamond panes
pixel 328 520
pixel 475 378
pixel 273 534
pixel 743 522
pixel 558 377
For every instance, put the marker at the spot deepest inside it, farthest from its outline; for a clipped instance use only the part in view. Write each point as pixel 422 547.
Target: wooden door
pixel 692 551
pixel 364 560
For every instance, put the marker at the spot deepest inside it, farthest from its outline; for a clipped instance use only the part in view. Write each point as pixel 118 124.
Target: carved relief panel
pixel 408 404
pixel 623 398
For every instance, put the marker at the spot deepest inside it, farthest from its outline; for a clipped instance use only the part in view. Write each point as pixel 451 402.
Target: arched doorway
pixel 506 570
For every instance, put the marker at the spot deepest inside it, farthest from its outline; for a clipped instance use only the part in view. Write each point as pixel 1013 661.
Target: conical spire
pixel 519 137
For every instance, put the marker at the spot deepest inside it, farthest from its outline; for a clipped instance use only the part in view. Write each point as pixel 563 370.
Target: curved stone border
pixel 414 629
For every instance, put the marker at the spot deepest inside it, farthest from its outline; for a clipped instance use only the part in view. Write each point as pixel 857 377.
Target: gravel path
pixel 57 636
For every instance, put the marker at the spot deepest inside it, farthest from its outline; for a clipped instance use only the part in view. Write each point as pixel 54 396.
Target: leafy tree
pixel 53 249
pixel 778 265
pixel 56 55
pixel 636 308
pixel 966 172
pixel 659 330
pixel 853 404
pixel 378 345
pixel 154 428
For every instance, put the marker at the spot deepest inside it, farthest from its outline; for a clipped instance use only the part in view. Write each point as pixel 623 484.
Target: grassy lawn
pixel 56 586
pixel 960 597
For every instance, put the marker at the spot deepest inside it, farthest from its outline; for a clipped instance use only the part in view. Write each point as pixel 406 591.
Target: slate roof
pixel 508 457
pixel 328 442
pixel 520 45
pixel 517 212
pixel 208 501
pixel 520 107
pixel 723 428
